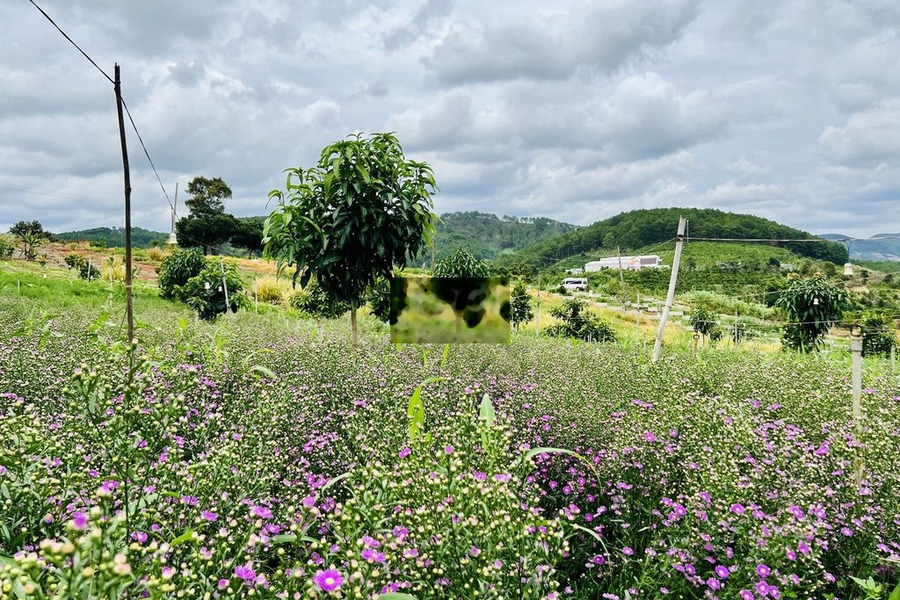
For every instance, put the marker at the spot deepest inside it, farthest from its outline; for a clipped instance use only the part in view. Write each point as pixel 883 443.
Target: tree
pixel 460 264
pixel 521 305
pixel 812 305
pixel 30 235
pixel 177 268
pixel 248 234
pixel 205 292
pixel 704 323
pixel 207 195
pixel 579 323
pixel 879 334
pixel 316 302
pixel 207 225
pixel 361 212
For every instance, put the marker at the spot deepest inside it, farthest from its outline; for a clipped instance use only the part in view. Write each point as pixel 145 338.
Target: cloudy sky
pixel 575 110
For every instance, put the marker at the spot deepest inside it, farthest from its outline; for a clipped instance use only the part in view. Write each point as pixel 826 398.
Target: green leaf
pixel 185 537
pixel 445 355
pixel 284 538
pixel 396 596
pixel 267 372
pixel 17 588
pixel 486 411
pixel 335 480
pixel 895 595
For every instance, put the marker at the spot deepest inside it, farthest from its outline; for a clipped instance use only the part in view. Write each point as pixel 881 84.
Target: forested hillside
pixel 113 237
pixel 486 236
pixel 643 228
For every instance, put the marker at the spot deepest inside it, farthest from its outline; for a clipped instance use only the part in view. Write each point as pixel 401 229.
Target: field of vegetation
pixel 260 455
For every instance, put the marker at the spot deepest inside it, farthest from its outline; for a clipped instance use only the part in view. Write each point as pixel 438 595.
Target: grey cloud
pixel 867 138
pixel 530 44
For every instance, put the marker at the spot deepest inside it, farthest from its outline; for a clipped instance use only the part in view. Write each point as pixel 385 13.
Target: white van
pixel 575 283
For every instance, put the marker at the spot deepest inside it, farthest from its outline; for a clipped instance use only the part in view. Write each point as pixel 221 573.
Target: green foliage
pixel 521 304
pixel 6 247
pixel 703 321
pixel 579 323
pixel 86 269
pixel 207 195
pixel 460 264
pixel 812 306
pixel 114 237
pixel 378 297
pixel 35 228
pixel 316 302
pixel 487 236
pixel 248 234
pixel 206 230
pixel 177 268
pixel 723 304
pixel 879 334
pixel 362 211
pixel 205 292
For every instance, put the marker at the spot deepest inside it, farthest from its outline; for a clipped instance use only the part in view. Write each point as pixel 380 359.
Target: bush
pixel 177 269
pixel 97 244
pixel 85 269
pixel 521 304
pixel 879 334
pixel 271 291
pixel 314 301
pixel 206 295
pixel 378 297
pixel 6 247
pixel 579 323
pixel 157 254
pixel 460 264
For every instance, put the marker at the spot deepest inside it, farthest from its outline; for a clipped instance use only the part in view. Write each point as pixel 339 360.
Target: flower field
pixel 262 457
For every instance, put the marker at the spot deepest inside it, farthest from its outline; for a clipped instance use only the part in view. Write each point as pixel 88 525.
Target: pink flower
pixel 328 581
pixel 209 515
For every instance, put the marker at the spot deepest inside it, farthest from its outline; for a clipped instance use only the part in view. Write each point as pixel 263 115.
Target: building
pixel 629 263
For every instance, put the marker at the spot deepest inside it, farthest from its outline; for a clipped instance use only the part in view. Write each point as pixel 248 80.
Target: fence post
pixel 856 372
pixel 673 280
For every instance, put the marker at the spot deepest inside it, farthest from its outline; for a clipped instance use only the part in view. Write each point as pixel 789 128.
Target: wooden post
pixel 856 372
pixel 90 268
pixel 129 302
pixel 224 284
pixel 673 280
pixel 537 320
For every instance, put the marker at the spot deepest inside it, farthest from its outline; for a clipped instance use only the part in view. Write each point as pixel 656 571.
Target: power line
pixel 147 154
pixel 65 35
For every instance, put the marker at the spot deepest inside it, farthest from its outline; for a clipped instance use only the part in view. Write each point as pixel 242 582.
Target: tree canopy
pixel 207 225
pixel 207 195
pixel 363 210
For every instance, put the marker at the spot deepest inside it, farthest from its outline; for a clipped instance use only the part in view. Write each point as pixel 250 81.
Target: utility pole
pixel 673 280
pixel 129 301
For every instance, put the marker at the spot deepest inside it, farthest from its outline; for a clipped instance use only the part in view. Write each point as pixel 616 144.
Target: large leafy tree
pixel 207 225
pixel 363 210
pixel 812 306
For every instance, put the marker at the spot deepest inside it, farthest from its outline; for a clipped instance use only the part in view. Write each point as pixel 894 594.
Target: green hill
pixel 643 229
pixel 114 237
pixel 487 236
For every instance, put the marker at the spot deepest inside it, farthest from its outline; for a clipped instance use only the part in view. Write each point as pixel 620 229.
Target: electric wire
pixel 65 35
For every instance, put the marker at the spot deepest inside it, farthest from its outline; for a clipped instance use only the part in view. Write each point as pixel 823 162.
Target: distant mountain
pixel 881 246
pixel 487 236
pixel 645 228
pixel 114 237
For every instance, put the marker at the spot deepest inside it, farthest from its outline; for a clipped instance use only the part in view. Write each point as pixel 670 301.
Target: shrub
pixel 378 298
pixel 157 254
pixel 205 292
pixel 272 291
pixel 460 264
pixel 177 269
pixel 97 244
pixel 314 301
pixel 6 247
pixel 579 323
pixel 85 269
pixel 521 304
pixel 879 334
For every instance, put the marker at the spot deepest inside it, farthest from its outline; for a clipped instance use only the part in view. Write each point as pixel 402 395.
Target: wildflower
pixel 79 521
pixel 627 551
pixel 329 580
pixel 448 449
pixel 474 551
pixel 189 500
pixel 262 512
pixel 209 516
pixel 737 509
pixel 370 542
pixel 372 555
pixel 722 572
pixel 746 595
pixel 763 571
pixel 762 588
pixel 223 583
pixel 713 583
pixel 245 572
pixel 405 452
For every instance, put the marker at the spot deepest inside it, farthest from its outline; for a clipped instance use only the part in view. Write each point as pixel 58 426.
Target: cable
pixel 85 54
pixel 147 154
pixel 712 239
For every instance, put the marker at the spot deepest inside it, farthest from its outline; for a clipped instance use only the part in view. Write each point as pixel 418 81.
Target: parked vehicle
pixel 575 283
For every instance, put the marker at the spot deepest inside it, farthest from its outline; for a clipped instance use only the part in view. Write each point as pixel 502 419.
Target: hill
pixel 114 237
pixel 487 236
pixel 641 229
pixel 879 247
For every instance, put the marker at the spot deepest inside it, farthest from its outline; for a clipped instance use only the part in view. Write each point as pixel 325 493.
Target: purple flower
pixel 846 531
pixel 746 595
pixel 763 571
pixel 139 536
pixel 372 555
pixel 209 515
pixel 223 583
pixel 627 551
pixel 79 521
pixel 405 452
pixel 189 500
pixel 245 572
pixel 370 542
pixel 713 583
pixel 474 551
pixel 328 581
pixel 448 449
pixel 762 588
pixel 262 512
pixel 722 572
pixel 737 509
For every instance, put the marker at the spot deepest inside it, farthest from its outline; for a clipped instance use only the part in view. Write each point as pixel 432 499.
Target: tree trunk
pixel 353 326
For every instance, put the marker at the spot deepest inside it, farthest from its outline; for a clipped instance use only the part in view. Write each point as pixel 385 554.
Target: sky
pixel 575 110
